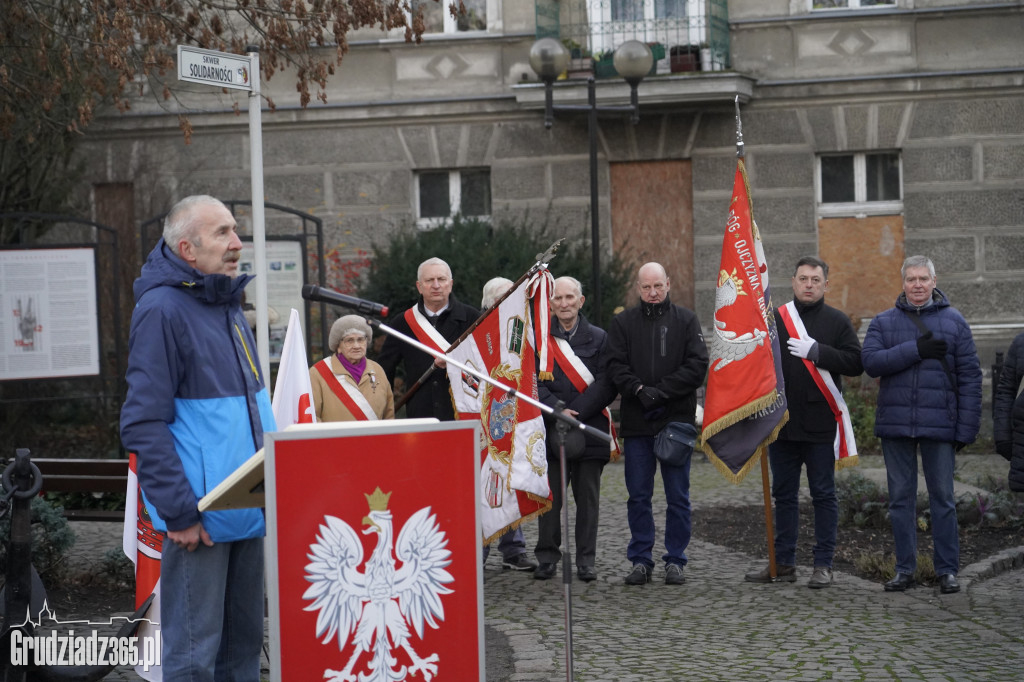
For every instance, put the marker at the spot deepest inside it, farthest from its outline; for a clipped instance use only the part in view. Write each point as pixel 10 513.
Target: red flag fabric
pixel 744 404
pixel 293 392
pixel 513 475
pixel 143 545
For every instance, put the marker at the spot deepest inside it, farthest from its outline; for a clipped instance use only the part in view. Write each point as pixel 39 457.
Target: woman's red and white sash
pixel 348 394
pixel 845 445
pixel 580 377
pixel 424 331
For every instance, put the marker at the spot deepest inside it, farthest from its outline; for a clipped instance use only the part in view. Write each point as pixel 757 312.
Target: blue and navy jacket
pixel 916 398
pixel 197 406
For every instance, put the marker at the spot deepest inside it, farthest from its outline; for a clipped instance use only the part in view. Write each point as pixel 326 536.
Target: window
pixel 440 194
pixel 850 4
pixel 437 18
pixel 860 183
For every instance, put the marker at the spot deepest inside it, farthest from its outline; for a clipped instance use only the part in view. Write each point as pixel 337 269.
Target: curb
pixel 1007 560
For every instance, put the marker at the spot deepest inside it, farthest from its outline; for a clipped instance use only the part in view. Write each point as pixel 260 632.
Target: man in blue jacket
pixel 197 408
pixel 929 399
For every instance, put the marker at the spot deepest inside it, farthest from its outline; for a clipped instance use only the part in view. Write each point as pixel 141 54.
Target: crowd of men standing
pixel 191 348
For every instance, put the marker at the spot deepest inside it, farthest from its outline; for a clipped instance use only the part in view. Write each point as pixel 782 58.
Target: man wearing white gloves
pixel 818 344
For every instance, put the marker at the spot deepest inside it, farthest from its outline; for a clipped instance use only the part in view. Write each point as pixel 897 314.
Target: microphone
pixel 312 292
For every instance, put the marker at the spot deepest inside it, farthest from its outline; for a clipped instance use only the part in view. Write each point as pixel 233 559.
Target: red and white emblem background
pixel 328 469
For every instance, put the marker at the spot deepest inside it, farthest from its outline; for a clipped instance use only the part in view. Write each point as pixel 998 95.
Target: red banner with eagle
pixel 745 404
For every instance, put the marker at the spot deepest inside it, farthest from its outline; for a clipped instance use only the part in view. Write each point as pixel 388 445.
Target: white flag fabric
pixel 293 392
pixel 513 473
pixel 143 546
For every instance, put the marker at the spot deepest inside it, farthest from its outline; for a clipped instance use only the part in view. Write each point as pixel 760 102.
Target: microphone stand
pixel 561 429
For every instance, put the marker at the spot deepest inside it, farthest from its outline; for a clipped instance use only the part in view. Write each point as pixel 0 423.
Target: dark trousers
pixel 786 458
pixel 585 478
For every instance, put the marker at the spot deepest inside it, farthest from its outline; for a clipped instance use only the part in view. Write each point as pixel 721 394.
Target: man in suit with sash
pixel 819 344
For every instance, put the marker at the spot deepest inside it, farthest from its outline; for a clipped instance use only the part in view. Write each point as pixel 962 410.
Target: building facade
pixel 872 130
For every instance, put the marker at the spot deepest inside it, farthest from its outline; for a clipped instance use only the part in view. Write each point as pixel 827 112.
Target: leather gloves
pixel 651 397
pixel 803 348
pixel 928 347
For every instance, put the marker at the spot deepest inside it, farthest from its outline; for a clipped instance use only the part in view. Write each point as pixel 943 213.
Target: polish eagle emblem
pixel 376 605
pixel 727 346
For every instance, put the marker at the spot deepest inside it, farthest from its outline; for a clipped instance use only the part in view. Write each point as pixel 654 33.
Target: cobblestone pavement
pixel 716 627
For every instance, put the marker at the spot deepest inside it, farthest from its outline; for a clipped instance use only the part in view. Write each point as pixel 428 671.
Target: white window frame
pixel 451 27
pixel 852 4
pixel 608 35
pixel 860 206
pixel 454 197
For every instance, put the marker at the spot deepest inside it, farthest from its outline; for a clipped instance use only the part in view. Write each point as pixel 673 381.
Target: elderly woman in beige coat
pixel 347 386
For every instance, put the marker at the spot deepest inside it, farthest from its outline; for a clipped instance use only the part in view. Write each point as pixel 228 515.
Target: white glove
pixel 801 347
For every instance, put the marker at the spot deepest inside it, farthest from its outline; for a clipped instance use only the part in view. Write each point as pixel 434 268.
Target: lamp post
pixel 632 60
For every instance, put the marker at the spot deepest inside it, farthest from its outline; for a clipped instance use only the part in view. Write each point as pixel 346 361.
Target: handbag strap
pixel 916 319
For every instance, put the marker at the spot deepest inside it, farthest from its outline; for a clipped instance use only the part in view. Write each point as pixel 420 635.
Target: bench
pixel 85 476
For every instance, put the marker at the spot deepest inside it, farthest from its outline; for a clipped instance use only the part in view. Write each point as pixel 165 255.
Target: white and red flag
pixel 143 545
pixel 745 402
pixel 513 472
pixel 293 392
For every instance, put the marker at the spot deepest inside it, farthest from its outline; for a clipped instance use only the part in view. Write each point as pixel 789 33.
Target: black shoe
pixel 640 575
pixel 783 574
pixel 948 584
pixel 545 571
pixel 674 575
pixel 900 583
pixel 520 562
pixel 586 573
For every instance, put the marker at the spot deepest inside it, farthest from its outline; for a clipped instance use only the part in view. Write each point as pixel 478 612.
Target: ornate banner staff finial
pixel 739 130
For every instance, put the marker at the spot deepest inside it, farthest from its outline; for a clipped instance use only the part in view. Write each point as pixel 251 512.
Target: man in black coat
pixel 1008 412
pixel 579 385
pixel 812 358
pixel 436 320
pixel 657 360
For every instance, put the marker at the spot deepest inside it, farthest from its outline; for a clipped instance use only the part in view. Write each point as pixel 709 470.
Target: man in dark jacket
pixel 819 344
pixel 1008 413
pixel 579 385
pixel 929 399
pixel 196 410
pixel 657 360
pixel 436 320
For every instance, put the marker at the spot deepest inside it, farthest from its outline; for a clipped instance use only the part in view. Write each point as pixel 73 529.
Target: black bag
pixel 674 444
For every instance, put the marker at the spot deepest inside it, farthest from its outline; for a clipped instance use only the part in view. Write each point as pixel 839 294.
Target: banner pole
pixel 768 525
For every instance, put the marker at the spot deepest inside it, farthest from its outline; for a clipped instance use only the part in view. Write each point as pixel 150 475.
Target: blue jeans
pixel 510 544
pixel 211 611
pixel 937 460
pixel 787 457
pixel 640 467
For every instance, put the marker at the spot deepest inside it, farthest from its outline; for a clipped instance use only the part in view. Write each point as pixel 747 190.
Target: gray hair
pixel 432 261
pixel 494 289
pixel 573 281
pixel 180 222
pixel 349 324
pixel 918 262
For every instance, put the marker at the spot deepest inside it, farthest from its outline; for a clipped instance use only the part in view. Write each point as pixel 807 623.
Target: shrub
pixel 861 395
pixel 862 502
pixel 883 567
pixel 52 539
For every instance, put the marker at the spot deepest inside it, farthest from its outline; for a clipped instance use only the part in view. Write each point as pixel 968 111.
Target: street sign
pixel 215 68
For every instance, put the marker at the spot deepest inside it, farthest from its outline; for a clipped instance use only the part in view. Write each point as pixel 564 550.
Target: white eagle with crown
pixel 378 604
pixel 726 345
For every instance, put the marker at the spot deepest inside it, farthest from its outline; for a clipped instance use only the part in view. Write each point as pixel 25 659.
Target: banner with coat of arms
pixel 745 402
pixel 513 472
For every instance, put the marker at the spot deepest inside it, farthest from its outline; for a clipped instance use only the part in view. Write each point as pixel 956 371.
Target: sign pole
pixel 259 241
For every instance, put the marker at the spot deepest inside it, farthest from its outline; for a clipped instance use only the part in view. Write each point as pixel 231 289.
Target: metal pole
pixel 259 240
pixel 595 221
pixel 561 429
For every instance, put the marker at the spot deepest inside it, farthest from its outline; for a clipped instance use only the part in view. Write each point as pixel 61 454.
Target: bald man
pixel 657 360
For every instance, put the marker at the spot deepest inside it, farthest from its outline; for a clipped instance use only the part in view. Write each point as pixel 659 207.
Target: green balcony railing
pixel 690 35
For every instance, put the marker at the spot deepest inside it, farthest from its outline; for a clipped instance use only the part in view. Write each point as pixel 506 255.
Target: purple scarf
pixel 355 370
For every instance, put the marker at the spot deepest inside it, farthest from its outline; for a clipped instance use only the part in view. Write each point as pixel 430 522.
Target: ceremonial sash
pixel 349 395
pixel 424 331
pixel 845 446
pixel 580 377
